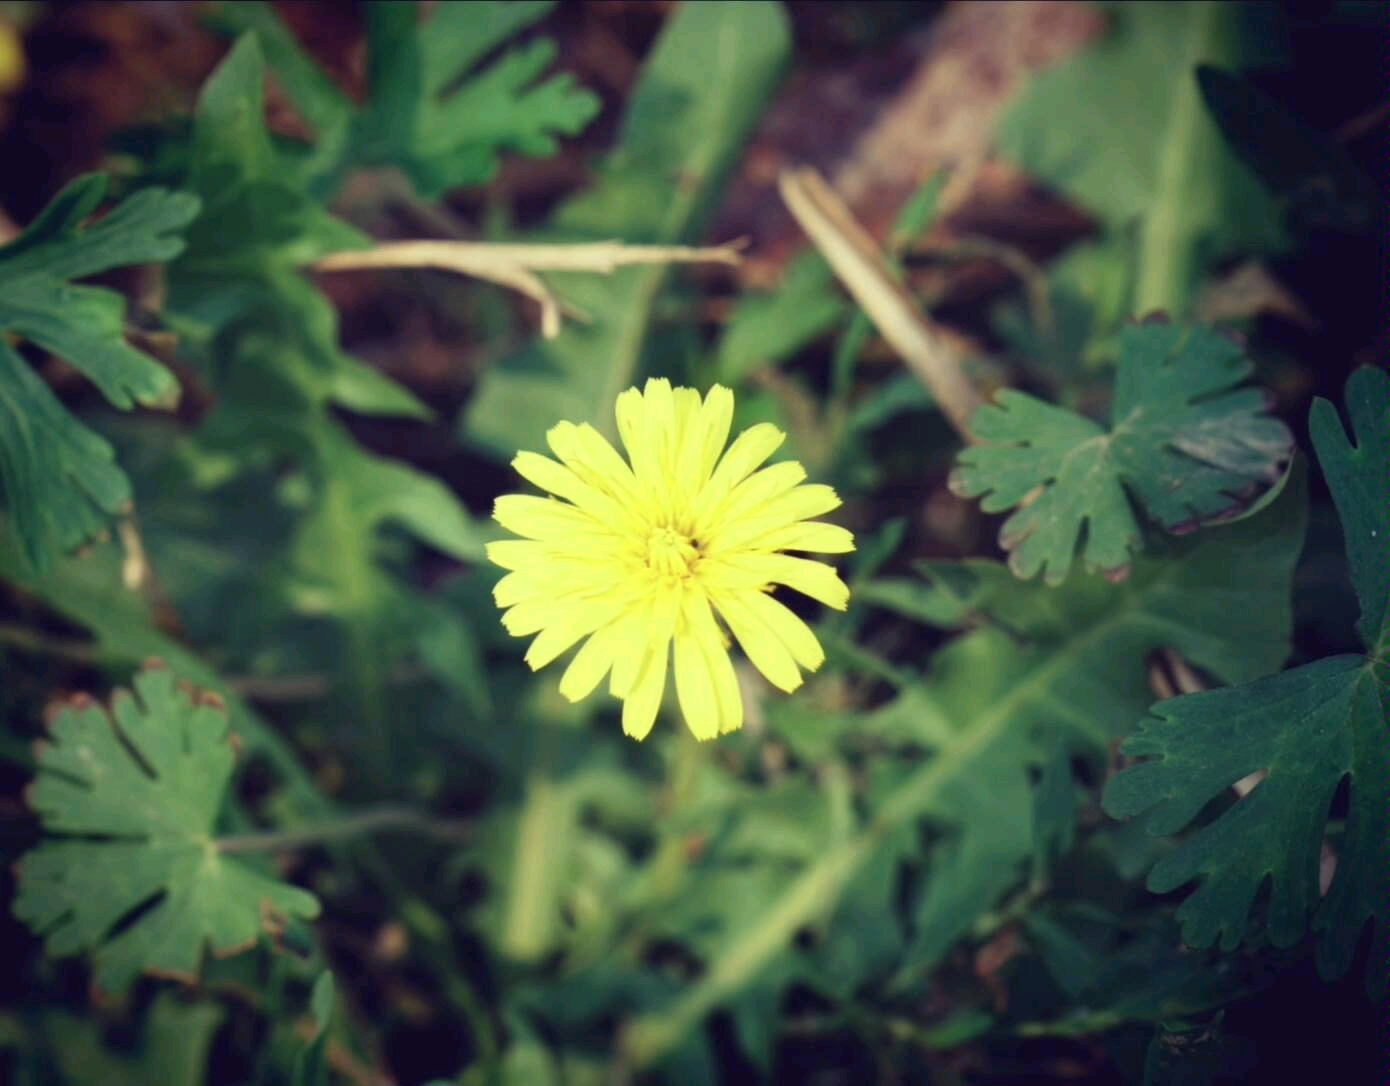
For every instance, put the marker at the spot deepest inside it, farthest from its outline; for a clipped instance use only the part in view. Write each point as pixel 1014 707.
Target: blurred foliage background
pixel 277 482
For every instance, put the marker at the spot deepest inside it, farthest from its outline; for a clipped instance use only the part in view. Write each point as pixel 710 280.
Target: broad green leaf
pixel 769 328
pixel 1121 129
pixel 701 91
pixel 1184 443
pixel 1308 730
pixel 60 480
pixel 133 794
pixel 433 108
pixel 174 1050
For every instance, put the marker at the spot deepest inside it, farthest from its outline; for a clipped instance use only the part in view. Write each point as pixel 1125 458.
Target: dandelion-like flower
pixel 652 557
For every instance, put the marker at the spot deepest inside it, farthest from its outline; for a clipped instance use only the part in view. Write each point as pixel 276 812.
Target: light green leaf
pixel 432 109
pixel 1309 730
pixel 134 792
pixel 1184 443
pixel 768 328
pixel 702 89
pixel 1121 129
pixel 60 480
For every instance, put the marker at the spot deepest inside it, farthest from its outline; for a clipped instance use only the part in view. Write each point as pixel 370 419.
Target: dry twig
pixel 515 266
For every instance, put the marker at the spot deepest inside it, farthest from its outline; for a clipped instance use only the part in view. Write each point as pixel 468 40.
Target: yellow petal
pixel 641 705
pixel 590 664
pixel 701 637
pixel 588 454
pixel 566 625
pixel 744 456
pixel 749 498
pixel 695 688
pixel 760 643
pixel 744 570
pixel 813 536
pixel 788 628
pixel 518 554
pixel 546 519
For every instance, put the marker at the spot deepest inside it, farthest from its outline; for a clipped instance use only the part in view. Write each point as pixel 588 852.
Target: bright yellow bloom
pixel 643 554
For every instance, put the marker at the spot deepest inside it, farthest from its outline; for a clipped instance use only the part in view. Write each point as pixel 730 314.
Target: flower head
pixel 652 557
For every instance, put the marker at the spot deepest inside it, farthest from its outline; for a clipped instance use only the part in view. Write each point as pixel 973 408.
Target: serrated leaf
pixel 1309 730
pixel 270 344
pixel 432 109
pixel 1358 474
pixel 1068 664
pixel 1184 443
pixel 135 793
pixel 702 89
pixel 61 482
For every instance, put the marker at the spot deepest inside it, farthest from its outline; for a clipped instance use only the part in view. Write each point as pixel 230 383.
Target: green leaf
pixel 311 1064
pixel 270 345
pixel 1184 443
pixel 1309 730
pixel 1358 474
pixel 134 792
pixel 174 1049
pixel 1122 130
pixel 433 109
pixel 702 89
pixel 60 480
pixel 1068 664
pixel 768 328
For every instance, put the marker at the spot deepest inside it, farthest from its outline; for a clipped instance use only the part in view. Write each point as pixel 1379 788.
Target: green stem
pixel 360 824
pixel 1168 234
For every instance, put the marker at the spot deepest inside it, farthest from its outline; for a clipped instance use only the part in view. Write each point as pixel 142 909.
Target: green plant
pixel 982 820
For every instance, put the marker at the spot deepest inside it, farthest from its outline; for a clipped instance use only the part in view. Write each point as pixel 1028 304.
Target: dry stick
pixel 515 266
pixel 856 260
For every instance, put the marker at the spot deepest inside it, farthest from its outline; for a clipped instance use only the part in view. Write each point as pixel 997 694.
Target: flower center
pixel 670 554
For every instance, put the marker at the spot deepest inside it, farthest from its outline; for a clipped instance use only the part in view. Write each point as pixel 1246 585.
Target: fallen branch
pixel 856 260
pixel 515 266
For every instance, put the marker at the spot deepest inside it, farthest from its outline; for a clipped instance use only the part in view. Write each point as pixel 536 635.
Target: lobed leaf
pixel 61 482
pixel 702 89
pixel 1184 444
pixel 432 109
pixel 134 792
pixel 1308 730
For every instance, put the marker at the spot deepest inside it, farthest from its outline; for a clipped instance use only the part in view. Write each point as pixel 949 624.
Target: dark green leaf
pixel 1184 443
pixel 1309 730
pixel 1358 474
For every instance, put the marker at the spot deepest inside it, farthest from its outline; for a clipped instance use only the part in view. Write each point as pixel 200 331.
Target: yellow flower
pixel 641 555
